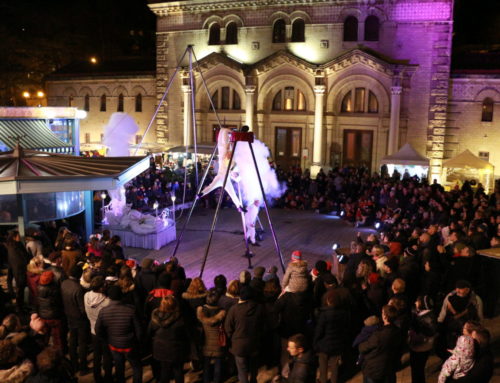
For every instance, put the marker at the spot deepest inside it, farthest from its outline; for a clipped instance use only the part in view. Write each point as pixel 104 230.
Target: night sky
pixel 40 36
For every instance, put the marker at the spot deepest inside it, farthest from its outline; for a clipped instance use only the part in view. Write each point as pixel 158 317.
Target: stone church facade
pixel 323 82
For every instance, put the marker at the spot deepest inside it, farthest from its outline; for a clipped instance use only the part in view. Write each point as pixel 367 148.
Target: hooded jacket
pixel 94 302
pixel 296 278
pixel 170 338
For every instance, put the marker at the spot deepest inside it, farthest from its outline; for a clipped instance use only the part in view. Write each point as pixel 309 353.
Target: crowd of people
pixel 416 287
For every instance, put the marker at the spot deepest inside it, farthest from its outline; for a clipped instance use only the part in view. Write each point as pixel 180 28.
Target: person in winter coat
pixel 296 278
pixel 301 366
pixel 146 278
pixel 244 327
pixel 70 254
pixel 423 331
pixel 212 318
pixel 72 295
pixel 231 297
pixel 18 259
pixel 34 270
pixel 155 296
pixel 118 326
pixel 461 360
pixel 382 351
pixel 94 301
pixel 170 339
pixel 331 337
pixel 483 368
pixel 50 309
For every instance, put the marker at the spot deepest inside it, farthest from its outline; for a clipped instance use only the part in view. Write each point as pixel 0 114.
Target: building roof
pixel 29 171
pixel 133 66
pixel 32 133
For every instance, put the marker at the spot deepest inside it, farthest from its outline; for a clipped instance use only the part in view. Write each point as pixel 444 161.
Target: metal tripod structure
pixel 235 138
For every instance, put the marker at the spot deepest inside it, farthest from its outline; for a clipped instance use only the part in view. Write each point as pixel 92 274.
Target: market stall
pixel 407 159
pixel 467 166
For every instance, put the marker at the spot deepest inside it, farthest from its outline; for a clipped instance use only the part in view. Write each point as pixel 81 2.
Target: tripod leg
pixel 200 186
pixel 216 215
pixel 276 244
pixel 248 253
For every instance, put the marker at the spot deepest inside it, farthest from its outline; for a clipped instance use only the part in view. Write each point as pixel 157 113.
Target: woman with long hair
pixel 169 339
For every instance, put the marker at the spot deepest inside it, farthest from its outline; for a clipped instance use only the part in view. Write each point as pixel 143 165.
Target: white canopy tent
pixel 467 166
pixel 407 159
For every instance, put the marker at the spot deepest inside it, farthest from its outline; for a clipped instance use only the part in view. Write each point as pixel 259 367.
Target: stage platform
pixel 154 241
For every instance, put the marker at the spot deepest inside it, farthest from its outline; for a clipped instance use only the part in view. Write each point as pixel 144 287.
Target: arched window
pixel 214 34
pixel 120 103
pixel 279 31
pixel 358 100
pixel 487 110
pixel 86 103
pixel 351 29
pixel 289 99
pixel 103 103
pixel 298 31
pixel 138 102
pixel 232 33
pixel 226 98
pixel 372 27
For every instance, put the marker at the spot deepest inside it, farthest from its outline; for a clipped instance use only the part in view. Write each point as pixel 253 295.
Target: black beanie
pixel 115 293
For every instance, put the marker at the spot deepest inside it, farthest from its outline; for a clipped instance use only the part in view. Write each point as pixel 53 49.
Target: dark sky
pixel 40 36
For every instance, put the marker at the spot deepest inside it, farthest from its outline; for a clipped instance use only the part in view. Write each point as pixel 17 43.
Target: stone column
pixel 249 106
pixel 319 94
pixel 393 144
pixel 187 136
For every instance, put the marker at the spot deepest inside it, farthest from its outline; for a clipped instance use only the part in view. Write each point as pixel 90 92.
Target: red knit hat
pixel 297 255
pixel 130 263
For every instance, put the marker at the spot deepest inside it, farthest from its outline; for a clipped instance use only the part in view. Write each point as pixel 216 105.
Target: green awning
pixel 33 133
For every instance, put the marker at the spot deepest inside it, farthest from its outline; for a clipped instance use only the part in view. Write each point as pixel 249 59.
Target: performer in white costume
pixel 224 152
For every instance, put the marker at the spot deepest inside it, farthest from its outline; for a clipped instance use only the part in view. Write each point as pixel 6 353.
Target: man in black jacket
pixel 301 366
pixel 118 325
pixel 382 351
pixel 74 308
pixel 244 325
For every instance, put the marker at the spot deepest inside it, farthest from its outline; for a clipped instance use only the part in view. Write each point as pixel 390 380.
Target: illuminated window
pixel 279 31
pixel 103 103
pixel 120 103
pixel 298 31
pixel 232 33
pixel 226 98
pixel 214 34
pixel 347 103
pixel 487 110
pixel 86 103
pixel 138 102
pixel 351 29
pixel 372 103
pixel 372 27
pixel 358 101
pixel 289 98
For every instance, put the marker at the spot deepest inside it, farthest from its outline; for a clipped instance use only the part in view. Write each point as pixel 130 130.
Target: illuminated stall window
pixel 279 31
pixel 232 33
pixel 298 31
pixel 372 28
pixel 351 29
pixel 487 110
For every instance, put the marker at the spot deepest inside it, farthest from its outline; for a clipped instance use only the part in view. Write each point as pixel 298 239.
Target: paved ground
pixel 312 233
